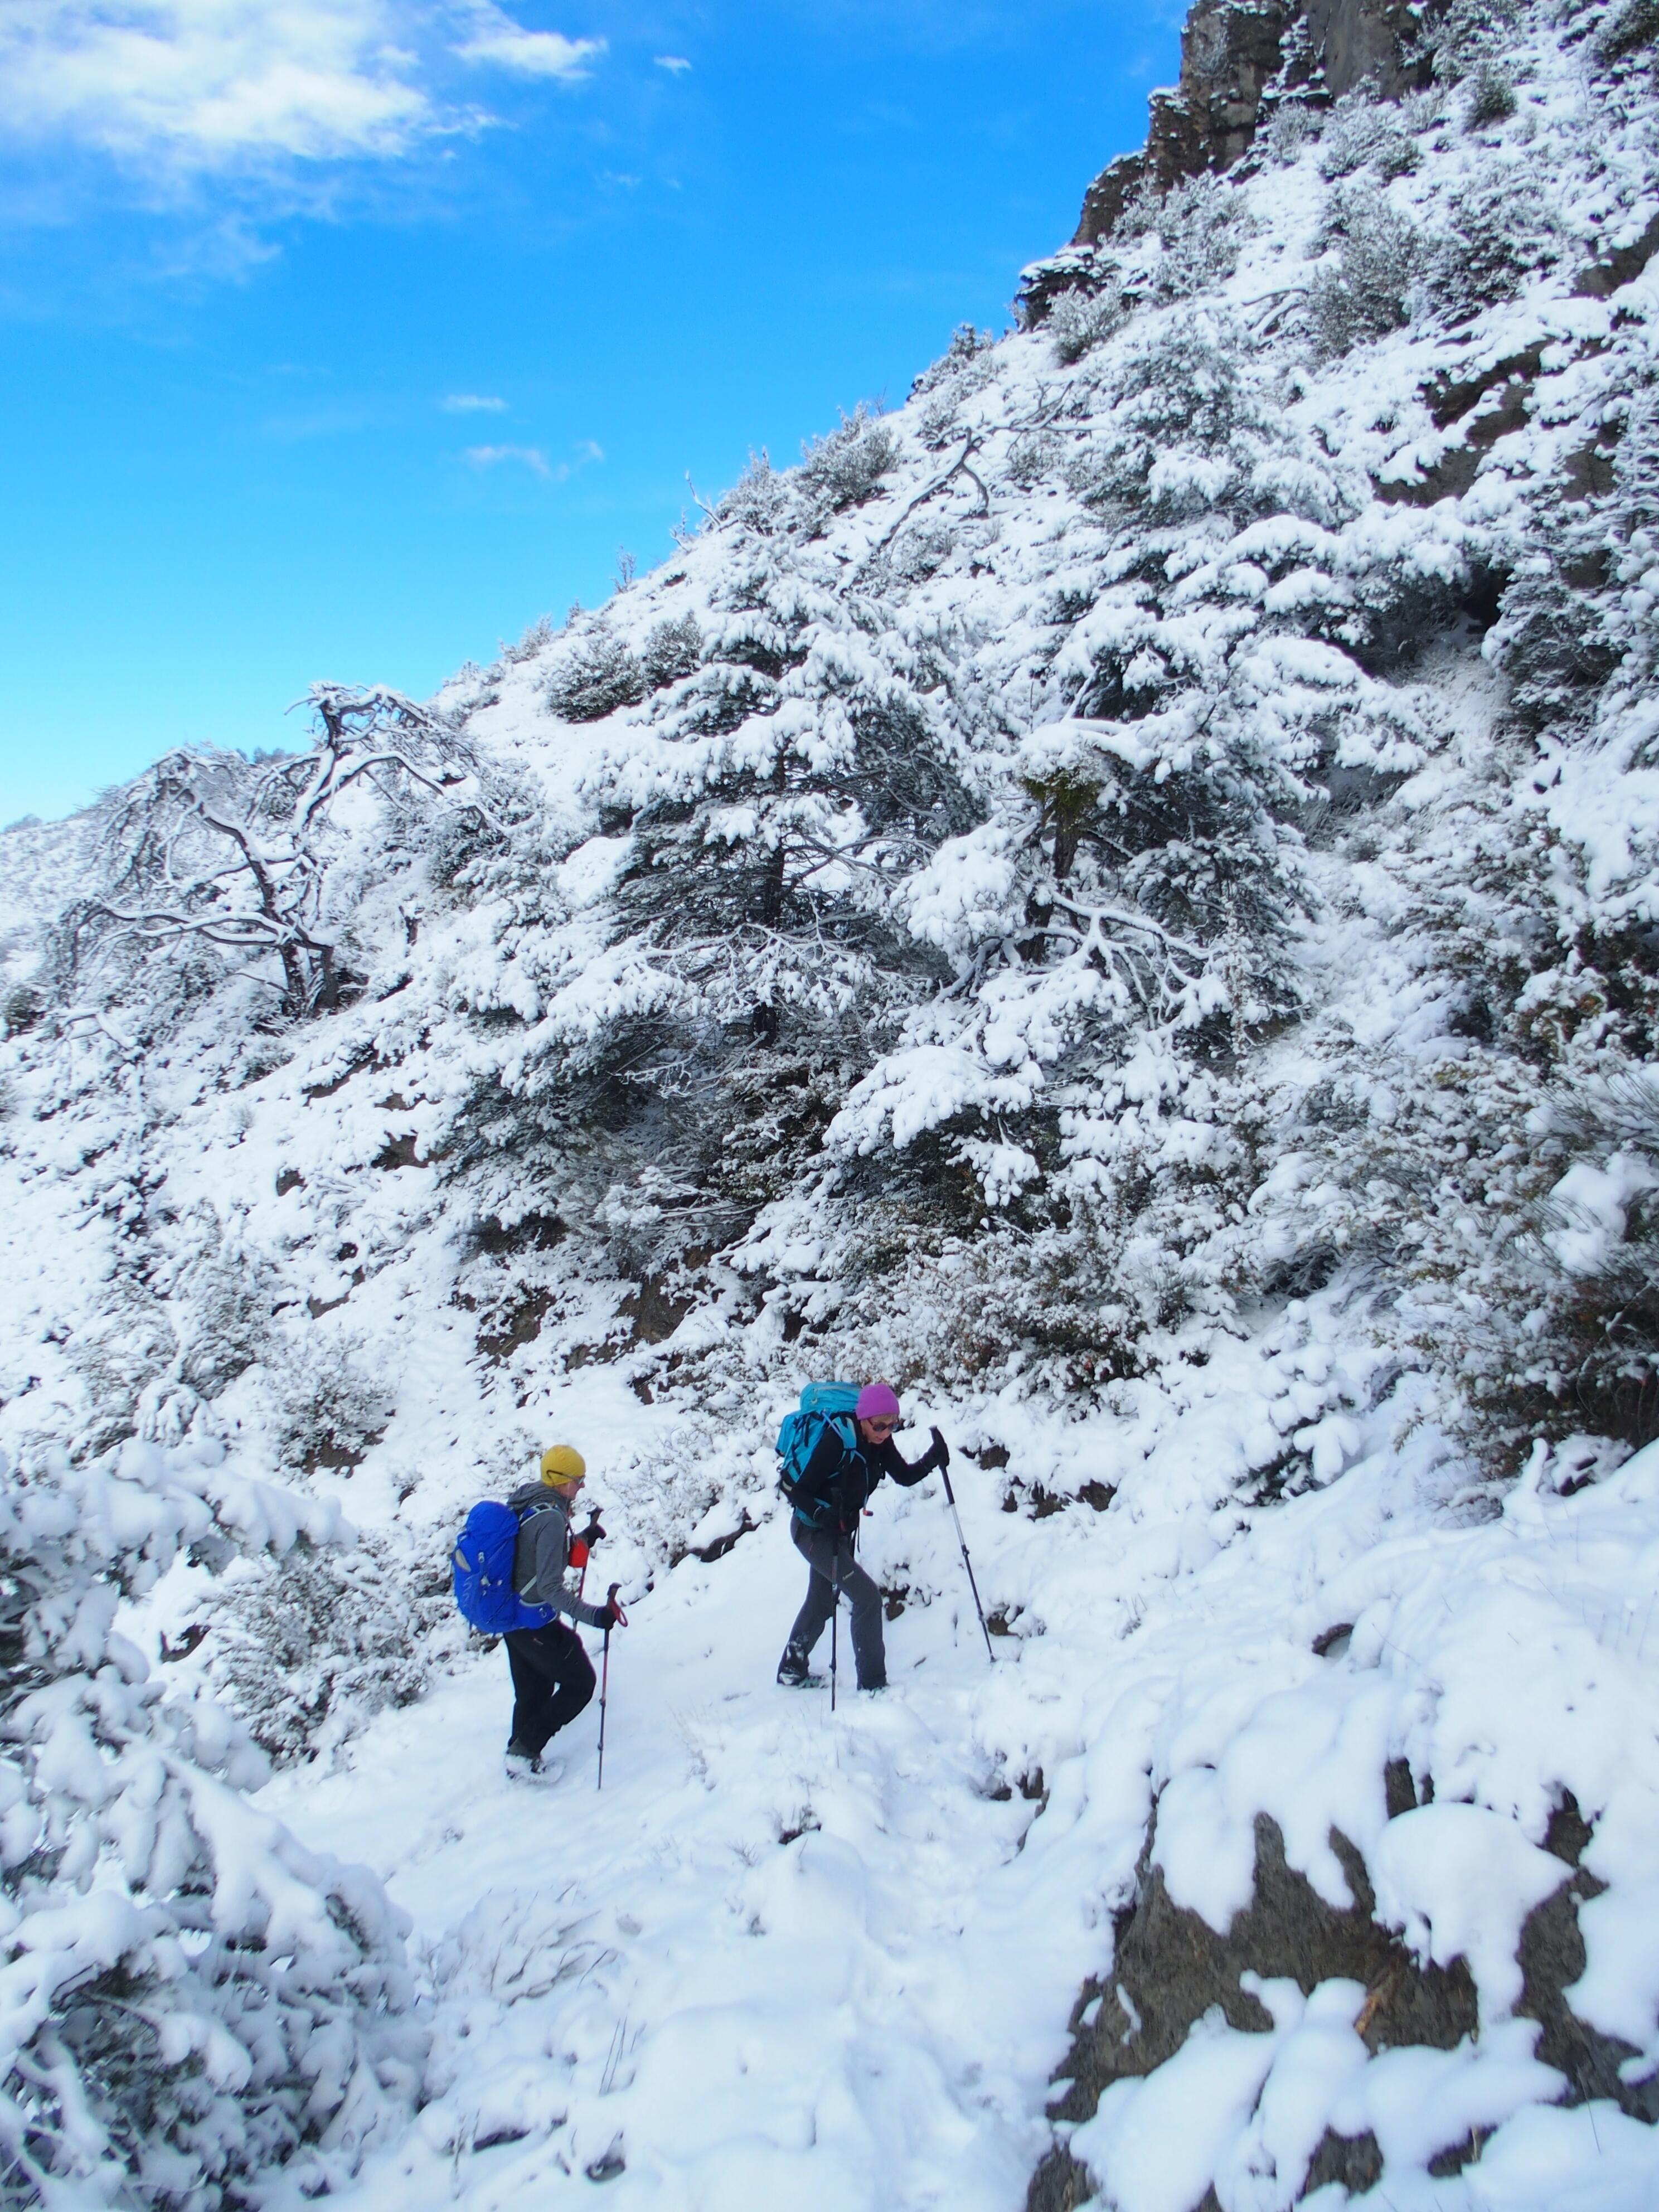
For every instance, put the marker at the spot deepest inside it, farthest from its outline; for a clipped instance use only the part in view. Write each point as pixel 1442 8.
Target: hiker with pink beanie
pixel 837 1476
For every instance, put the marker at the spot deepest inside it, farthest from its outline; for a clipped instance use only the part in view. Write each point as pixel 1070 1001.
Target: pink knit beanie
pixel 876 1403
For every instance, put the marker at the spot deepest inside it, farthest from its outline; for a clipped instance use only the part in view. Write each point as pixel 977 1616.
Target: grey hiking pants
pixel 832 1559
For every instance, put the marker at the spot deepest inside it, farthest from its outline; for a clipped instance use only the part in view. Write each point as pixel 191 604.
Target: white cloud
pixel 194 86
pixel 532 457
pixel 206 82
pixel 674 63
pixel 472 403
pixel 497 38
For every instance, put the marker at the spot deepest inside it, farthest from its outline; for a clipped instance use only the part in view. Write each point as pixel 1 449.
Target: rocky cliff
pixel 1234 57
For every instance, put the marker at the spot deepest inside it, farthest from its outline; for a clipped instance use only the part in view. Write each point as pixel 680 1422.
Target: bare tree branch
pixel 211 848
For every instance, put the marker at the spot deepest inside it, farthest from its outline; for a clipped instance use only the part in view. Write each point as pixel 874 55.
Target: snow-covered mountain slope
pixel 38 876
pixel 1120 896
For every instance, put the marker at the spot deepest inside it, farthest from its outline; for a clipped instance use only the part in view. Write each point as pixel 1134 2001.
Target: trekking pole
pixel 951 1499
pixel 835 1629
pixel 604 1675
pixel 587 1537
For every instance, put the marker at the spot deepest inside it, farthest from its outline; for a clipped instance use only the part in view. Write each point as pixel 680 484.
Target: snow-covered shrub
pixel 1186 430
pixel 537 636
pixel 1532 1250
pixel 191 1998
pixel 845 468
pixel 20 1007
pixel 1365 133
pixel 964 363
pixel 759 499
pixel 1501 229
pixel 968 366
pixel 1551 641
pixel 595 677
pixel 755 962
pixel 1286 133
pixel 330 1408
pixel 1071 1292
pixel 1492 96
pixel 1635 474
pixel 1470 32
pixel 1034 455
pixel 1203 228
pixel 1368 293
pixel 219 1291
pixel 923 550
pixel 307 1650
pixel 1633 27
pixel 120 1354
pixel 1596 1340
pixel 671 649
pixel 941 422
pixel 1078 321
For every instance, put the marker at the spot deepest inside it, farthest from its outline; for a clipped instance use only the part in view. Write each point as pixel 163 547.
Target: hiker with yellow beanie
pixel 552 1676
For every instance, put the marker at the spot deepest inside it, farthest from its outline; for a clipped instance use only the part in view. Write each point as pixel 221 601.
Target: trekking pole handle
pixel 619 1619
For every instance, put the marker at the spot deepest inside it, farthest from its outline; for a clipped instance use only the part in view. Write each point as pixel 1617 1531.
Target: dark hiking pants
pixel 552 1680
pixel 832 1559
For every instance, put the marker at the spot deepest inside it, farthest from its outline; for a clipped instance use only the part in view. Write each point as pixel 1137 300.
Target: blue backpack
pixel 483 1561
pixel 821 1405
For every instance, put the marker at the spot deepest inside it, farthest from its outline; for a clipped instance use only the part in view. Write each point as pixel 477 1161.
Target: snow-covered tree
pixel 192 1997
pixel 221 864
pixel 309 1649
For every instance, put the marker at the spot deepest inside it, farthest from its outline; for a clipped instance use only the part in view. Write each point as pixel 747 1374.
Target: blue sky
pixel 344 337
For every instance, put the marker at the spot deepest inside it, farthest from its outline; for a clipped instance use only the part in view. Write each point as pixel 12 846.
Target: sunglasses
pixel 881 1428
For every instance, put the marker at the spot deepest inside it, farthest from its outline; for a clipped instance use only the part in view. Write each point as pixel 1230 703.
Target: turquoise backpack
pixel 821 1405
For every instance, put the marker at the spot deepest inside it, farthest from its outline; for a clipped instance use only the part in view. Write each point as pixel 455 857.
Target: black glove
pixel 593 1534
pixel 614 1615
pixel 940 1456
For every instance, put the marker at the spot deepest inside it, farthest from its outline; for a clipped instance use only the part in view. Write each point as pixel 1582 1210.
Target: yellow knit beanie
pixel 562 1463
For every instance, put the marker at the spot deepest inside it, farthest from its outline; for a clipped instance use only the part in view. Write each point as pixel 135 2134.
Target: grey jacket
pixel 540 1563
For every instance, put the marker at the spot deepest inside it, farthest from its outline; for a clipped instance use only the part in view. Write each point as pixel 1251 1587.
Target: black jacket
pixel 846 1475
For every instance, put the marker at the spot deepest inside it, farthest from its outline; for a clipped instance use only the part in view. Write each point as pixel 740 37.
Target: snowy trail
pixel 766 1961
pixel 788 1958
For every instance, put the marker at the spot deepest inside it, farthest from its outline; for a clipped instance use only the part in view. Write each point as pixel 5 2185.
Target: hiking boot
pixel 524 1764
pixel 794 1674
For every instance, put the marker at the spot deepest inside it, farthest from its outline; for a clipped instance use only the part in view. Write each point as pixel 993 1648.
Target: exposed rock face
pixel 1348 40
pixel 1172 1967
pixel 1231 53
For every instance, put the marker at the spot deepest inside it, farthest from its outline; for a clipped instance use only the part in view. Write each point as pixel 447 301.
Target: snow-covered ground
pixel 786 1956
